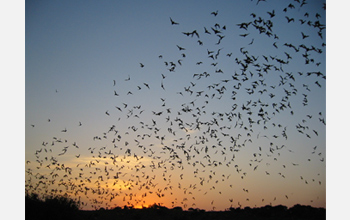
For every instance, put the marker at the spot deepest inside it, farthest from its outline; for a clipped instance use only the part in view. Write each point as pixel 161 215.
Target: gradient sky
pixel 75 50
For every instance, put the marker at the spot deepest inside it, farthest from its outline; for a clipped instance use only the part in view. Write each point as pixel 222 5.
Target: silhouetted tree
pixel 58 207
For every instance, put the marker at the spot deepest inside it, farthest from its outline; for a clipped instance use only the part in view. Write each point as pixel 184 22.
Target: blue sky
pixel 75 50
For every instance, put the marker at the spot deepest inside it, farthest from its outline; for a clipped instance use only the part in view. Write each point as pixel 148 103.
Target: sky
pixel 117 113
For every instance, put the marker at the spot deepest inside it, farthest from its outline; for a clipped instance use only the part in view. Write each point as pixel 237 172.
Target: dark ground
pixel 62 208
pixel 277 212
